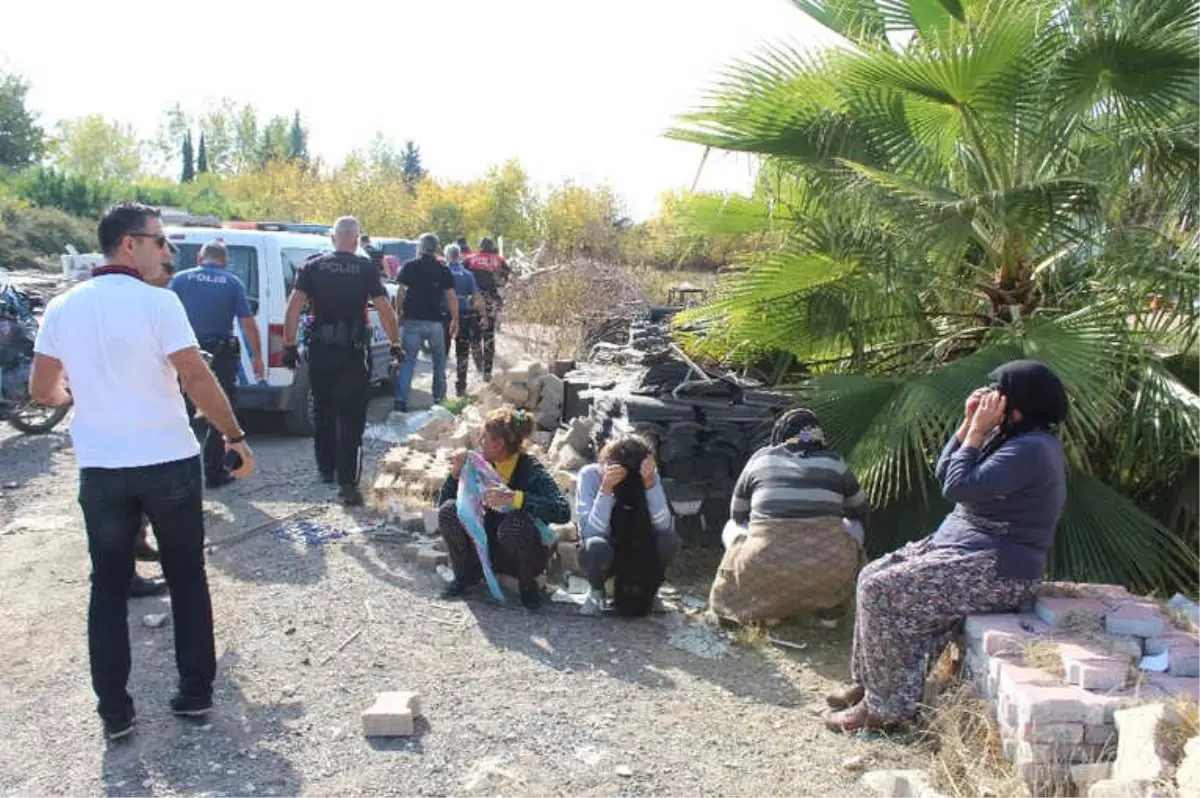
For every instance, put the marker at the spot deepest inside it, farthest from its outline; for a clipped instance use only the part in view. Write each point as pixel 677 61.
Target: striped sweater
pixel 781 483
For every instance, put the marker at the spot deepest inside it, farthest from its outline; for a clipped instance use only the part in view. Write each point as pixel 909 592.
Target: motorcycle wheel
pixel 34 419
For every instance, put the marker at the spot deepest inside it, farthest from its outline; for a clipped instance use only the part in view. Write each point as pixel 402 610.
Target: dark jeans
pixel 487 342
pixel 516 549
pixel 114 501
pixel 340 391
pixel 596 555
pixel 224 367
pixel 466 347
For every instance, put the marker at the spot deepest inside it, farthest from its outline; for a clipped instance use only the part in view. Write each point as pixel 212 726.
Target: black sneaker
pixel 187 706
pixel 531 599
pixel 141 587
pixel 400 407
pixel 457 588
pixel 350 496
pixel 119 728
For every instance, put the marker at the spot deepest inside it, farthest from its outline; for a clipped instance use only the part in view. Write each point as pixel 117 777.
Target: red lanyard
pixel 100 271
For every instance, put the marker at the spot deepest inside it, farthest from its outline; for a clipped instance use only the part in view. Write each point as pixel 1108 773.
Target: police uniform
pixel 339 285
pixel 214 298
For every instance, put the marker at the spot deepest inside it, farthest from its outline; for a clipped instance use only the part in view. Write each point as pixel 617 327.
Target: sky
pixel 574 90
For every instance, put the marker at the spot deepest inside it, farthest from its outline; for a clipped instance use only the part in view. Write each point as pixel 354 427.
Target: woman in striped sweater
pixel 793 554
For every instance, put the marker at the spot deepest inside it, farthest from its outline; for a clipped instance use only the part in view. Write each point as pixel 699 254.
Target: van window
pixel 404 250
pixel 293 258
pixel 243 261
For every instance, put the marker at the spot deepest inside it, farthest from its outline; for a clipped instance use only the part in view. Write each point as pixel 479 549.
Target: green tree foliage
pixel 1017 179
pixel 297 140
pixel 96 149
pixel 410 160
pixel 189 165
pixel 22 140
pixel 201 156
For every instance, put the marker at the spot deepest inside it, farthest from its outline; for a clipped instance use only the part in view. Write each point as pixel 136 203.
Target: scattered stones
pixel 391 715
pixel 589 755
pixel 699 640
pixel 289 690
pixel 1139 756
pixel 899 784
pixel 624 771
pixel 854 763
pixel 154 620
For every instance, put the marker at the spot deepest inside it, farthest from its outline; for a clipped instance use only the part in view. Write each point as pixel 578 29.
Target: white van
pixel 266 262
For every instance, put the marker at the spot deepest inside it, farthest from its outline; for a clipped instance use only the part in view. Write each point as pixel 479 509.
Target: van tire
pixel 298 420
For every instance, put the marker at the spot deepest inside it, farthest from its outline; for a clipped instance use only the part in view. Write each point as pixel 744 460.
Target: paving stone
pixel 1057 611
pixel 1134 618
pixel 1174 686
pixel 391 715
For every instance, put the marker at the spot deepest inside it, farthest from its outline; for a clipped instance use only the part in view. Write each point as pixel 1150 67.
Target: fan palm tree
pixel 966 182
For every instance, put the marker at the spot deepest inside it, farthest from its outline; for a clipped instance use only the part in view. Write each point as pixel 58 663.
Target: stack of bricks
pixel 1088 641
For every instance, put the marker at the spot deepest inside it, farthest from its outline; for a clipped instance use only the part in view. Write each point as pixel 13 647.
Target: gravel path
pixel 514 704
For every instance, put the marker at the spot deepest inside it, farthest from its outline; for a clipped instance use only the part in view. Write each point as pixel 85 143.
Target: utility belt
pixel 340 334
pixel 225 346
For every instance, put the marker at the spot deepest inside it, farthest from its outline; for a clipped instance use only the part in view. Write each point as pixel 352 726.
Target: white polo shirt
pixel 113 334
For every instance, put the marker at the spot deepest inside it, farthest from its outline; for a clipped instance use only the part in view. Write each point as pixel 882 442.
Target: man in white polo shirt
pixel 124 346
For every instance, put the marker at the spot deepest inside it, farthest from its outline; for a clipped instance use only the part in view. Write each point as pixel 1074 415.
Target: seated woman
pixel 626 527
pixel 795 555
pixel 1004 471
pixel 514 539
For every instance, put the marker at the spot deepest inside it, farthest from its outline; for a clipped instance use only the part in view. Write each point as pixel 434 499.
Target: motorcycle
pixel 18 330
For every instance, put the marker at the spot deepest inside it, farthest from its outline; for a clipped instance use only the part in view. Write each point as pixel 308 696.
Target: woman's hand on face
pixel 457 461
pixel 613 475
pixel 499 497
pixel 989 413
pixel 973 403
pixel 648 472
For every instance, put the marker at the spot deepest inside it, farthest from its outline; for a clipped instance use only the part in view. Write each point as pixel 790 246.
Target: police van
pixel 267 263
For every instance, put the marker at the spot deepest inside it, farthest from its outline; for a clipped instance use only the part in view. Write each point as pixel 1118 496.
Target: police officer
pixel 491 273
pixel 339 285
pixel 213 297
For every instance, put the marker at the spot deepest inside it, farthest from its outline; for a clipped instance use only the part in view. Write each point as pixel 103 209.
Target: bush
pixel 34 237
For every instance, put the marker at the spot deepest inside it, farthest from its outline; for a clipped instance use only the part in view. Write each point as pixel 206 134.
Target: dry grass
pixel 751 635
pixel 1084 623
pixel 1045 656
pixel 1181 724
pixel 968 752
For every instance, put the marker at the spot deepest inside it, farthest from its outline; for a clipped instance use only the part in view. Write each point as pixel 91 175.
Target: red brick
pixel 1098 674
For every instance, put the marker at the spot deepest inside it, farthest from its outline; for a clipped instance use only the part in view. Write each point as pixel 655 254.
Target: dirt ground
pixel 514 704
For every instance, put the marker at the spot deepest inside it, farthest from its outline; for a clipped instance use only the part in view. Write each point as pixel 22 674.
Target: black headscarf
pixel 1035 390
pixel 800 430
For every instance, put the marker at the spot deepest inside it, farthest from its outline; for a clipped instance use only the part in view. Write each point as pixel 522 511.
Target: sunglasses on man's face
pixel 160 240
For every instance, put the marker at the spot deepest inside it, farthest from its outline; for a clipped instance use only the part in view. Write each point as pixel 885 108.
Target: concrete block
pixel 517 393
pixel 429 557
pixel 1103 734
pixel 1174 686
pixel 568 555
pixel 430 517
pixel 384 482
pixel 568 459
pixel 1135 619
pixel 1138 749
pixel 1118 788
pixel 1185 664
pixel 412 521
pixel 1084 776
pixel 433 480
pixel 1097 674
pixel 552 388
pixel 1038 704
pixel 1187 775
pixel 391 715
pixel 1059 733
pixel 1058 611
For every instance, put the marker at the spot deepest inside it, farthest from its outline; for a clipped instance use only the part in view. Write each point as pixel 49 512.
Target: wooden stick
pixel 345 643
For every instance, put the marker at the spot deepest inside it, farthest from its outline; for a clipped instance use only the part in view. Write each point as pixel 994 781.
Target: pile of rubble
pixel 1062 678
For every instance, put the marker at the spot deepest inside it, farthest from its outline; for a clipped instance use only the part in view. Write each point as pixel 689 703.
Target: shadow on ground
pixel 228 752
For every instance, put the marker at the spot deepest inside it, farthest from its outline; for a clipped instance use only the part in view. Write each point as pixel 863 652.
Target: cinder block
pixel 430 516
pixel 1056 611
pixel 391 715
pixel 1096 674
pixel 1135 619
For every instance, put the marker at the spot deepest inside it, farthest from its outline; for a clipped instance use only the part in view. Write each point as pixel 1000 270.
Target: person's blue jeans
pixel 415 333
pixel 113 502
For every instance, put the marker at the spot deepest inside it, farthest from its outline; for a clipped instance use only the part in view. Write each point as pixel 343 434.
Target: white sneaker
pixel 593 604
